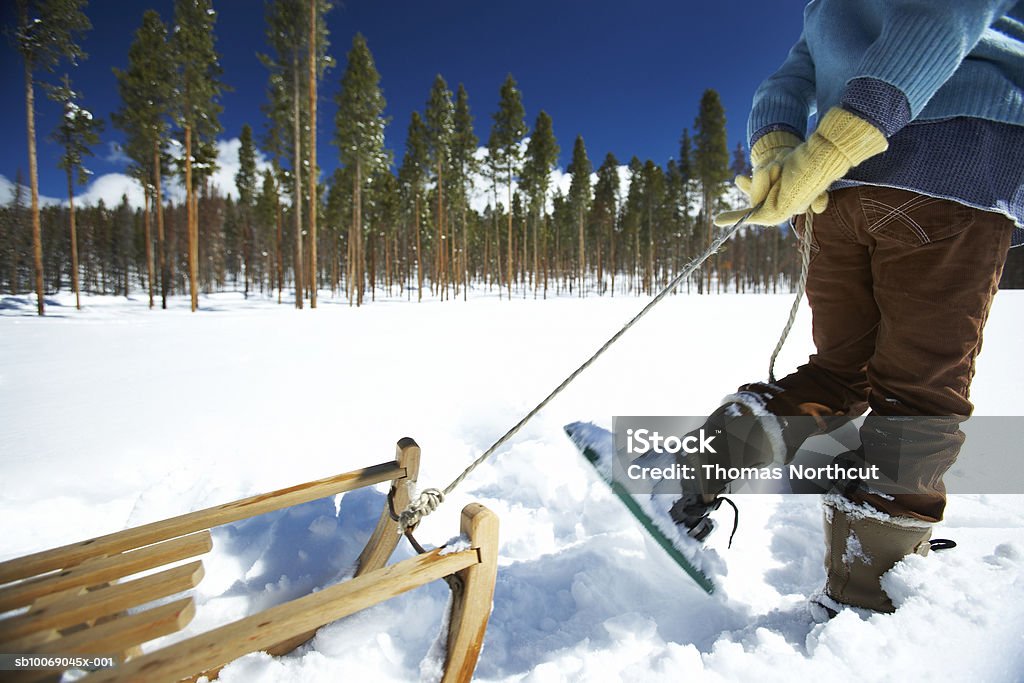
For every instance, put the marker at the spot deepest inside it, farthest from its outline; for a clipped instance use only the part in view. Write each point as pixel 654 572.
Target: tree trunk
pixel 246 247
pixel 419 250
pixel 439 254
pixel 556 267
pixel 355 235
pixel 583 256
pixel 510 252
pixel 465 256
pixel 279 245
pixel 33 180
pixel 160 241
pixel 312 154
pixel 523 265
pixel 149 241
pixel 195 242
pixel 545 263
pixel 497 241
pixel 373 267
pixel 612 265
pixel 297 172
pixel 708 224
pixel 193 252
pixel 74 243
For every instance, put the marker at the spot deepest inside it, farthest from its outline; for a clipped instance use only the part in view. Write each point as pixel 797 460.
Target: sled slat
pixel 123 633
pixel 104 602
pixel 106 569
pixel 69 555
pixel 215 648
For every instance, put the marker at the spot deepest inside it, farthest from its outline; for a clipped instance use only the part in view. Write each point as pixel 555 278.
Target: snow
pixel 100 432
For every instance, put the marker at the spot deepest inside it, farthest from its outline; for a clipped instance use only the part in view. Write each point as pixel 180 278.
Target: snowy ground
pixel 116 415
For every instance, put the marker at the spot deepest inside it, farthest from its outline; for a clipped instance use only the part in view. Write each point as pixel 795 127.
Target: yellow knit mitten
pixel 841 141
pixel 766 157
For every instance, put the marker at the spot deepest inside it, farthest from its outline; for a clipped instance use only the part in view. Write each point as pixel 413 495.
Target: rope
pixel 801 286
pixel 429 499
pixel 421 506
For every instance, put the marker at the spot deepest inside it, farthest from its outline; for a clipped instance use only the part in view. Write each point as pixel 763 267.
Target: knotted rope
pixel 429 499
pixel 419 507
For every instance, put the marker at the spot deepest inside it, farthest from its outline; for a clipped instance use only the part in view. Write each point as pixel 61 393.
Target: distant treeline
pixel 632 250
pixel 374 226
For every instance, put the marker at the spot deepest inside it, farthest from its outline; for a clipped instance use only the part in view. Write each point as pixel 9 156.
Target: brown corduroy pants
pixel 900 285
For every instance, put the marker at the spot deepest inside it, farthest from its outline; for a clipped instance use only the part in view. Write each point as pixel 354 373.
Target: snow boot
pixel 742 438
pixel 862 544
pixel 693 511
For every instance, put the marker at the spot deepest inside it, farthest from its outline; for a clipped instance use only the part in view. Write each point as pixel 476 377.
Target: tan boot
pixel 861 544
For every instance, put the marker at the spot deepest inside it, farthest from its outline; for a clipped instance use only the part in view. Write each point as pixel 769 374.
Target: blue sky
pixel 626 76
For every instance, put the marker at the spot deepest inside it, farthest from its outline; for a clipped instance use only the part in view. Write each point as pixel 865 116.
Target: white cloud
pixel 7 187
pixel 228 165
pixel 482 193
pixel 111 187
pixel 115 154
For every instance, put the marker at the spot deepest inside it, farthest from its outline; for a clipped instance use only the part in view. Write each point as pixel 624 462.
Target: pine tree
pixel 463 166
pixel 653 218
pixel 605 212
pixel 267 204
pixel 710 157
pixel 503 148
pixel 318 61
pixel 541 156
pixel 336 210
pixel 45 34
pixel 287 35
pixel 359 135
pixel 685 162
pixel 77 132
pixel 14 233
pixel 579 200
pixel 145 98
pixel 632 212
pixel 277 111
pixel 245 182
pixel 412 176
pixel 197 95
pixel 384 209
pixel 439 115
pixel 739 166
pixel 675 214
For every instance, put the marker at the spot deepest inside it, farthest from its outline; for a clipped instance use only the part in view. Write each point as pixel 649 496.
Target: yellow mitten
pixel 766 157
pixel 841 141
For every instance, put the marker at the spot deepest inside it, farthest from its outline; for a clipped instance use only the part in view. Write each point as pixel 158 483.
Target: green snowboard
pixel 597 446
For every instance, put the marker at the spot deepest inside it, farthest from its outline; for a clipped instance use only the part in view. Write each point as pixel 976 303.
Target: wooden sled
pixel 78 599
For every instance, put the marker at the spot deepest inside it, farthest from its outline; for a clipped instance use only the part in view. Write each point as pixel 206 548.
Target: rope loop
pixel 423 505
pixel 801 286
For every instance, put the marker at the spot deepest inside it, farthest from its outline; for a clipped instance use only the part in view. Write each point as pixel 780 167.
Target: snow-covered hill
pixel 116 415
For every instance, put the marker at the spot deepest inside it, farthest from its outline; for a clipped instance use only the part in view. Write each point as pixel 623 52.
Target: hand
pixel 766 156
pixel 842 140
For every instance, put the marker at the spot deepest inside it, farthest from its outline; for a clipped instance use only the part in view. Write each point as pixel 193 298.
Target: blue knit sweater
pixel 943 79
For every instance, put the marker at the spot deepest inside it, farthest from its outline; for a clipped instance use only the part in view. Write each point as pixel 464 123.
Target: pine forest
pixel 449 214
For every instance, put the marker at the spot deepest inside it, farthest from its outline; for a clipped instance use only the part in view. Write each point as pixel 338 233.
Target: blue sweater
pixel 943 79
